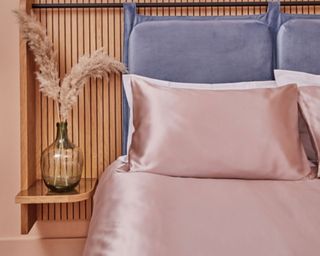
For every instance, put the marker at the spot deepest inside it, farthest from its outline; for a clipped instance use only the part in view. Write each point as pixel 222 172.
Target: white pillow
pixel 284 77
pixel 218 86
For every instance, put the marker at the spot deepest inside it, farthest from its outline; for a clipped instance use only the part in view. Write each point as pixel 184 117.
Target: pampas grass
pixel 42 48
pixel 98 65
pixel 65 92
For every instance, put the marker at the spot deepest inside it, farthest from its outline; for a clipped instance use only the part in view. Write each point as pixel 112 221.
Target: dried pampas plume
pixel 98 65
pixel 42 48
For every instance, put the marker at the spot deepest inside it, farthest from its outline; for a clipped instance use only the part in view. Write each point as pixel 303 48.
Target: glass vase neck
pixel 62 140
pixel 62 130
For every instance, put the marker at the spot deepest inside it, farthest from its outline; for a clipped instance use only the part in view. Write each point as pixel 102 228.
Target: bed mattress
pixel 142 214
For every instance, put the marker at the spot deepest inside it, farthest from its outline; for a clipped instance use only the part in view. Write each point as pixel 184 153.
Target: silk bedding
pixel 145 214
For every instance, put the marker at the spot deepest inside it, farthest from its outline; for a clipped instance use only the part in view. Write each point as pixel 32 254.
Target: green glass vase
pixel 62 162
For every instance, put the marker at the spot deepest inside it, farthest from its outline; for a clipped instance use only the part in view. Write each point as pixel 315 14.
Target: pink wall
pixel 9 114
pixel 11 242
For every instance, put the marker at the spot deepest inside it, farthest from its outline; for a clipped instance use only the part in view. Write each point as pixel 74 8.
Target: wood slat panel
pixel 95 121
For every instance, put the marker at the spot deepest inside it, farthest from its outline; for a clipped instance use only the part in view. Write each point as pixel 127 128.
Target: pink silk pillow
pixel 309 101
pixel 214 86
pixel 248 133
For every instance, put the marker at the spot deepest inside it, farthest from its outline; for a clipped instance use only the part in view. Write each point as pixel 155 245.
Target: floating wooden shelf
pixel 38 193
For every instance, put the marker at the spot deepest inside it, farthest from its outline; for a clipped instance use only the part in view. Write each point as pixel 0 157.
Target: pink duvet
pixel 142 214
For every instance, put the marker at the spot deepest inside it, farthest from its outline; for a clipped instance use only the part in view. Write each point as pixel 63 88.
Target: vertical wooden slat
pixel 87 110
pixel 81 114
pixel 100 151
pixel 184 9
pixel 316 9
pixel 75 111
pixel 196 11
pixel 45 112
pixel 51 118
pixel 105 97
pixel 93 96
pixel 91 105
pixel 203 10
pixel 60 28
pixel 112 84
pixel 178 11
pixel 67 209
pixel 165 10
pixel 117 85
pixel 42 19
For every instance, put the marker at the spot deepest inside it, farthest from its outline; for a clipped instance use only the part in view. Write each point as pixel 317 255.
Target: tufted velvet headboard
pixel 218 49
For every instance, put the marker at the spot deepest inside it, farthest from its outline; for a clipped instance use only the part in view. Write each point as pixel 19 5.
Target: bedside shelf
pixel 38 193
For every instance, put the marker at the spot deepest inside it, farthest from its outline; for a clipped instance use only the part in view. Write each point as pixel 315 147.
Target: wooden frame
pixel 27 127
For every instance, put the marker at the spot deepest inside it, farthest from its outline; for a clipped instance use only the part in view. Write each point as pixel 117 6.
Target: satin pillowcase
pixel 245 133
pixel 309 102
pixel 197 86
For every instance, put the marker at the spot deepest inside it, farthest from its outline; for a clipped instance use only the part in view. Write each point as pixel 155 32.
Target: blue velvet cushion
pixel 298 44
pixel 202 51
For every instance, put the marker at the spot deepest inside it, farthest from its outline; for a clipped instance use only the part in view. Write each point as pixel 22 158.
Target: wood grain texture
pixel 39 194
pixel 27 129
pixel 95 123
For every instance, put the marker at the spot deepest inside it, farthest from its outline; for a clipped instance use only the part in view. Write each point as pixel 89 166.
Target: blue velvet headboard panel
pixel 201 51
pixel 212 49
pixel 298 43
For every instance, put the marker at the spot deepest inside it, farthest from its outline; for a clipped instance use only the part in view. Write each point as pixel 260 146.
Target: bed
pixel 143 213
